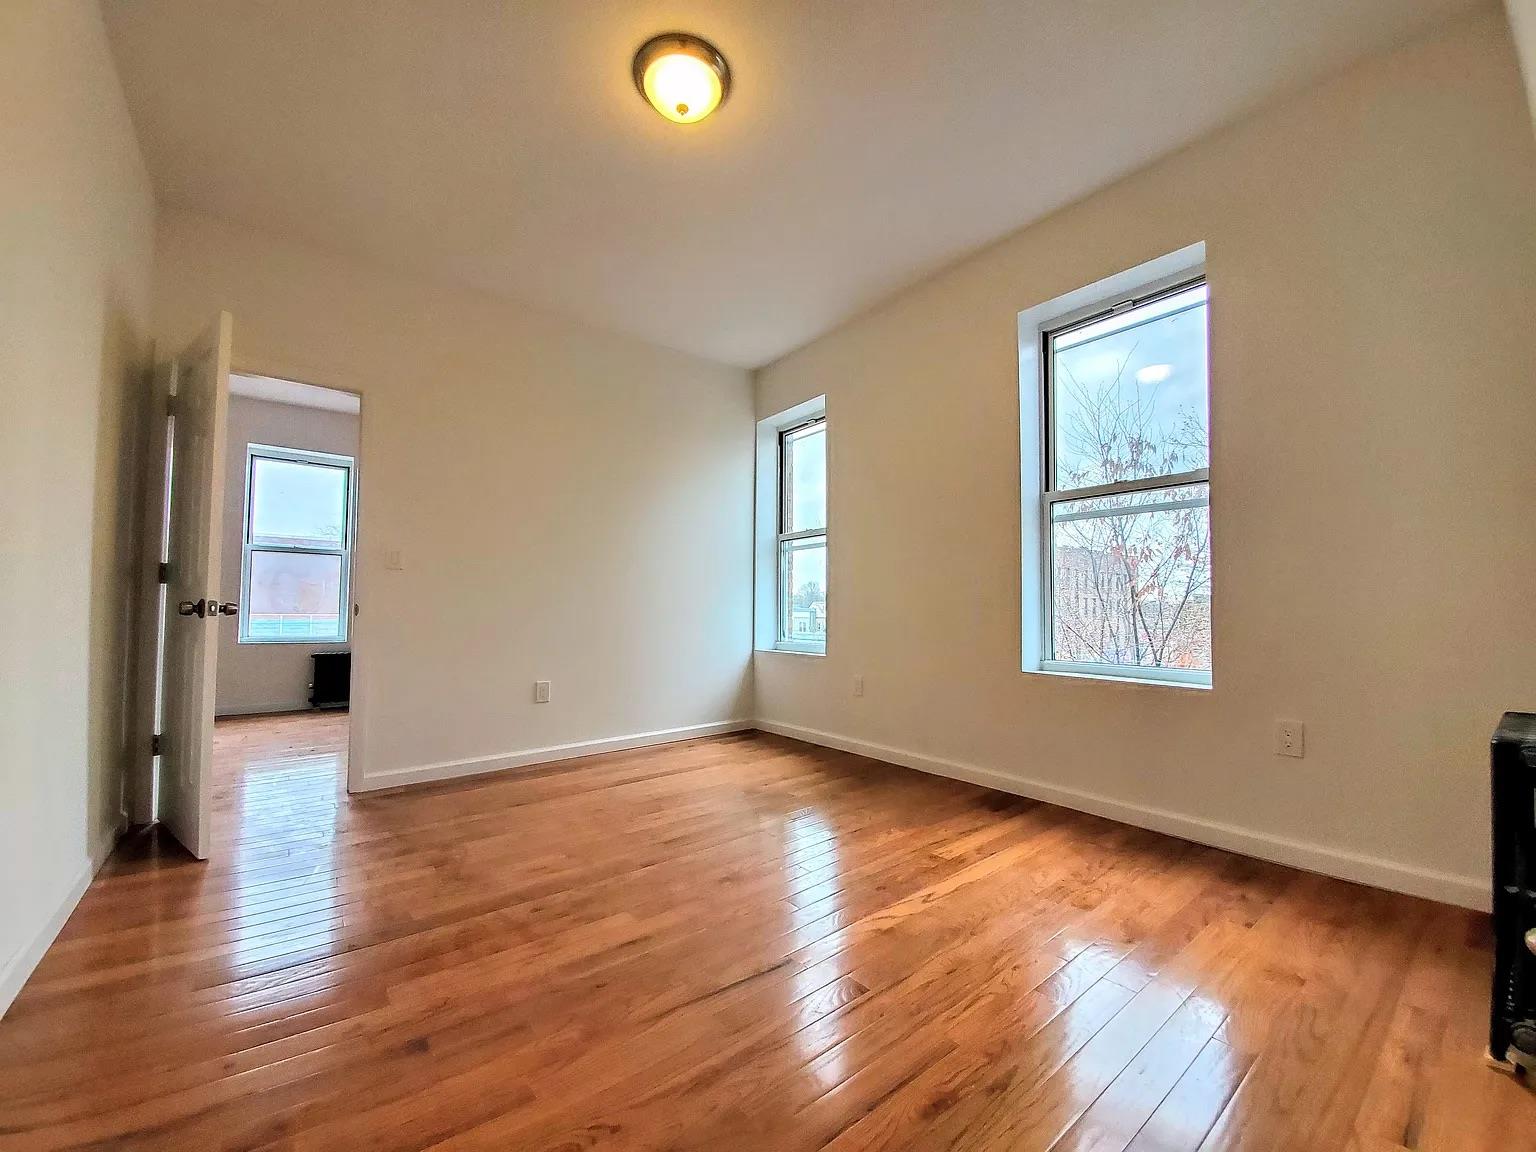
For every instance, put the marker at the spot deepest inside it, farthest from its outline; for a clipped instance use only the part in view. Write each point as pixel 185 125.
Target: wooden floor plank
pixel 740 942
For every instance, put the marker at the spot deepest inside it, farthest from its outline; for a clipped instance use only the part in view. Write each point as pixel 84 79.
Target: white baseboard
pixel 262 709
pixel 1445 887
pixel 19 968
pixel 475 766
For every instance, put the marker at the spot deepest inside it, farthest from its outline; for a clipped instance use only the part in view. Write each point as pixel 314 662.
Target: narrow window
pixel 296 559
pixel 1125 499
pixel 802 536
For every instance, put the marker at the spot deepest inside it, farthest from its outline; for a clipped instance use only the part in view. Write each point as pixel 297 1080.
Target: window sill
pixel 1127 681
pixel 790 649
pixel 311 641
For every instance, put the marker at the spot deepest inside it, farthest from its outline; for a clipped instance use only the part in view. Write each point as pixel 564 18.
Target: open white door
pixel 195 503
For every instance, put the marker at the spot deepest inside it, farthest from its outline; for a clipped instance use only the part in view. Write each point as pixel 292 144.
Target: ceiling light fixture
pixel 683 77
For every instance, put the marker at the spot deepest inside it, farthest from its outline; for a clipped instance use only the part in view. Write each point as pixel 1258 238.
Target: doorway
pixel 256 715
pixel 289 533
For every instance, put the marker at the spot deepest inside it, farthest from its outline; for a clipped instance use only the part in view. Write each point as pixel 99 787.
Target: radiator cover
pixel 331 684
pixel 1512 1024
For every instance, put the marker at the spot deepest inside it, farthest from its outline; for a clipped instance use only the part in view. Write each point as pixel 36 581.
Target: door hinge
pixel 154 744
pixel 165 572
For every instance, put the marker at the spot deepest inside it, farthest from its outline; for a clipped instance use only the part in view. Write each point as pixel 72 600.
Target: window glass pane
pixel 1131 579
pixel 803 589
pixel 1129 393
pixel 805 479
pixel 300 504
pixel 294 595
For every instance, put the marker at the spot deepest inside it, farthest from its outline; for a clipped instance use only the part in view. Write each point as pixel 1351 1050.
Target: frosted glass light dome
pixel 681 76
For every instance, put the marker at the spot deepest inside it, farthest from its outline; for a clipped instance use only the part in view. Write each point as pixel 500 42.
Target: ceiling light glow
pixel 681 76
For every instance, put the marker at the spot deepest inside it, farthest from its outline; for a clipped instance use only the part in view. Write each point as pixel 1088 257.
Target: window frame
pixel 248 546
pixel 783 639
pixel 1148 292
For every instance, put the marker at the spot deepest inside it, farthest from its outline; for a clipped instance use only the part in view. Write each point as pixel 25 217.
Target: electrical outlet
pixel 858 685
pixel 1290 738
pixel 541 691
pixel 393 560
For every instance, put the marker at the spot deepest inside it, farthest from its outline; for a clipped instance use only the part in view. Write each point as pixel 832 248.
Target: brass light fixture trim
pixel 673 73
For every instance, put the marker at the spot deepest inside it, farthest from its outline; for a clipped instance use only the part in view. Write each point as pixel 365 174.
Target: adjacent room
pixel 290 502
pixel 768 576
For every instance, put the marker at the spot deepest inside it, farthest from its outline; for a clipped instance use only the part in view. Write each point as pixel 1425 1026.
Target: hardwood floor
pixel 737 943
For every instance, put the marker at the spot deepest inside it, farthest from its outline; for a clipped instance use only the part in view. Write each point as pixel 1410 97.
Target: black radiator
pixel 1512 1023
pixel 331 686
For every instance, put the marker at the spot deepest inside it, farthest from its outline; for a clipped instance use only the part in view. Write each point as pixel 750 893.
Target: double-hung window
pixel 296 559
pixel 802 537
pixel 1125 499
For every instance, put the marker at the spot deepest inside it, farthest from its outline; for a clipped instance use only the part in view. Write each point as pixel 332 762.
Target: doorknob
pixel 192 608
pixel 229 608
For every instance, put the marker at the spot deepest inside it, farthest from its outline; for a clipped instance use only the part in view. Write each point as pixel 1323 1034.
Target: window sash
pixel 787 537
pixel 251 543
pixel 1051 495
pixel 787 636
pixel 786 488
pixel 1125 487
pixel 1092 315
pixel 1129 304
pixel 1048 660
pixel 342 464
pixel 343 598
pixel 258 540
pixel 784 639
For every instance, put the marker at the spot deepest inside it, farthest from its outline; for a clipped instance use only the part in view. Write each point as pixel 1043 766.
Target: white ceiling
pixel 501 144
pixel 292 392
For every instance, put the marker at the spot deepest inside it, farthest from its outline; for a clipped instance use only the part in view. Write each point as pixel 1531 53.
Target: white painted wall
pixel 1522 23
pixel 76 230
pixel 269 677
pixel 570 505
pixel 1372 258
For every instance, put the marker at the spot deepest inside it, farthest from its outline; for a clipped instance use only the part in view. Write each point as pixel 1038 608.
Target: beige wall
pixel 76 230
pixel 1372 261
pixel 1522 22
pixel 569 505
pixel 268 677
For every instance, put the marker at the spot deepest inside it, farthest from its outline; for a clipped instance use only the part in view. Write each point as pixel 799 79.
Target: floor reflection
pixel 812 875
pixel 813 898
pixel 280 790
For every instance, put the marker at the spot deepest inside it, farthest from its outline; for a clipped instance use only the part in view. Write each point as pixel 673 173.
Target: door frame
pixel 357 702
pixel 142 779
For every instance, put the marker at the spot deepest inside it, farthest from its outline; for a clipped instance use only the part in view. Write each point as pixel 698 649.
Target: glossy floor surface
pixel 738 943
